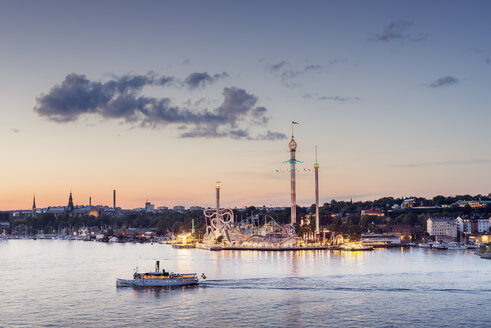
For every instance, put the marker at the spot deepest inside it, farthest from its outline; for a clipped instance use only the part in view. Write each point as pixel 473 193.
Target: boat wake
pixel 329 284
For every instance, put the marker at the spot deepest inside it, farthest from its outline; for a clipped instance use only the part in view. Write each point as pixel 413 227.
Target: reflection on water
pixel 157 291
pixel 72 283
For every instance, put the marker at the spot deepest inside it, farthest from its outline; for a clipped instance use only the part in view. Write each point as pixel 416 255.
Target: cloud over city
pixel 289 75
pixel 399 31
pixel 121 99
pixel 197 80
pixel 339 99
pixel 444 81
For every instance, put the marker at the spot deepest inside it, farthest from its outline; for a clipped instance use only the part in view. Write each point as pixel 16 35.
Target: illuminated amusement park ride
pixel 259 230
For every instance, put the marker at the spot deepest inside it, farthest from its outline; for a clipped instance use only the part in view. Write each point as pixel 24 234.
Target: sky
pixel 160 99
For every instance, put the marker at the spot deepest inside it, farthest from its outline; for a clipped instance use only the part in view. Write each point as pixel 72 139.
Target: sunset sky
pixel 158 100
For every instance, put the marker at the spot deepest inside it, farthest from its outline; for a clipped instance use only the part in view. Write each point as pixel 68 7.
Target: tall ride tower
pixel 316 168
pixel 217 187
pixel 293 147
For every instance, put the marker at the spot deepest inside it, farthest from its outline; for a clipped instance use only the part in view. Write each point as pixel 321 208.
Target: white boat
pixel 356 247
pixel 455 246
pixel 159 279
pixel 439 245
pixel 424 245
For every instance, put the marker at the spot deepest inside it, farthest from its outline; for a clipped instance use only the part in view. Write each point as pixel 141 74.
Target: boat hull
pixel 155 282
pixel 355 249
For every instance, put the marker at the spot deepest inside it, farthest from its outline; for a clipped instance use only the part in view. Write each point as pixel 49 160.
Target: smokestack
pixel 90 201
pixel 157 266
pixel 114 198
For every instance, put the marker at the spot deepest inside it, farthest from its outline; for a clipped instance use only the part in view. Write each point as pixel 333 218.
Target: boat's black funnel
pixel 157 266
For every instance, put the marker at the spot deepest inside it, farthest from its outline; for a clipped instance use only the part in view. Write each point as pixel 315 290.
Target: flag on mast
pixel 293 123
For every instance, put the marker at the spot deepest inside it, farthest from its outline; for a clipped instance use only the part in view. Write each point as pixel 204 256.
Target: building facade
pixel 442 227
pixel 472 224
pixel 373 211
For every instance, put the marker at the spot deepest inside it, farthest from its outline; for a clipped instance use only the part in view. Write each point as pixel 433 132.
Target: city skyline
pixel 158 100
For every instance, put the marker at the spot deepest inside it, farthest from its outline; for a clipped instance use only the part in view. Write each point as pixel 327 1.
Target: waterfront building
pixel 381 240
pixel 407 232
pixel 472 224
pixel 442 227
pixel 484 239
pixel 4 221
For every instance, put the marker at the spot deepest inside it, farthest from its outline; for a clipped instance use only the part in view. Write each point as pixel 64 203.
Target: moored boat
pixel 439 245
pixel 159 279
pixel 456 246
pixel 356 247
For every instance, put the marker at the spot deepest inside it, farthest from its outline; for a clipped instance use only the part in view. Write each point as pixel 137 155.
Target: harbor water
pixel 58 283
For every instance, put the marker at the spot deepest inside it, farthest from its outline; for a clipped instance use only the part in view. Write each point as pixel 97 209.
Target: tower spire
pixel 70 202
pixel 316 169
pixel 293 147
pixel 34 206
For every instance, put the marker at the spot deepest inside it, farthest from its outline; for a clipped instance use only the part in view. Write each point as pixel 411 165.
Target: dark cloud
pixel 198 80
pixel 271 136
pixel 338 98
pixel 15 130
pixel 288 75
pixel 312 68
pixel 338 61
pixel 444 81
pixel 288 78
pixel 277 66
pixel 309 95
pixel 488 61
pixel 398 30
pixel 121 99
pixel 329 98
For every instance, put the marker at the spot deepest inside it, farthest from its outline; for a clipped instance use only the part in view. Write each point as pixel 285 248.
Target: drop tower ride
pixel 293 161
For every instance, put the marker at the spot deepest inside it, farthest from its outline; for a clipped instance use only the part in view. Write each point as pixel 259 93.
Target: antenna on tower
pixel 293 123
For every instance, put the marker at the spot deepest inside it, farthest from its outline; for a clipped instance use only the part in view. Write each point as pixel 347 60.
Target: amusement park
pixel 261 231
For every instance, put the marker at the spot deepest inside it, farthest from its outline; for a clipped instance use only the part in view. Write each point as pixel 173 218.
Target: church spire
pixel 70 202
pixel 34 213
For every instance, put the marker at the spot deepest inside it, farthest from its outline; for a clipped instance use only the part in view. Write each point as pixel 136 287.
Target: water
pixel 50 283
